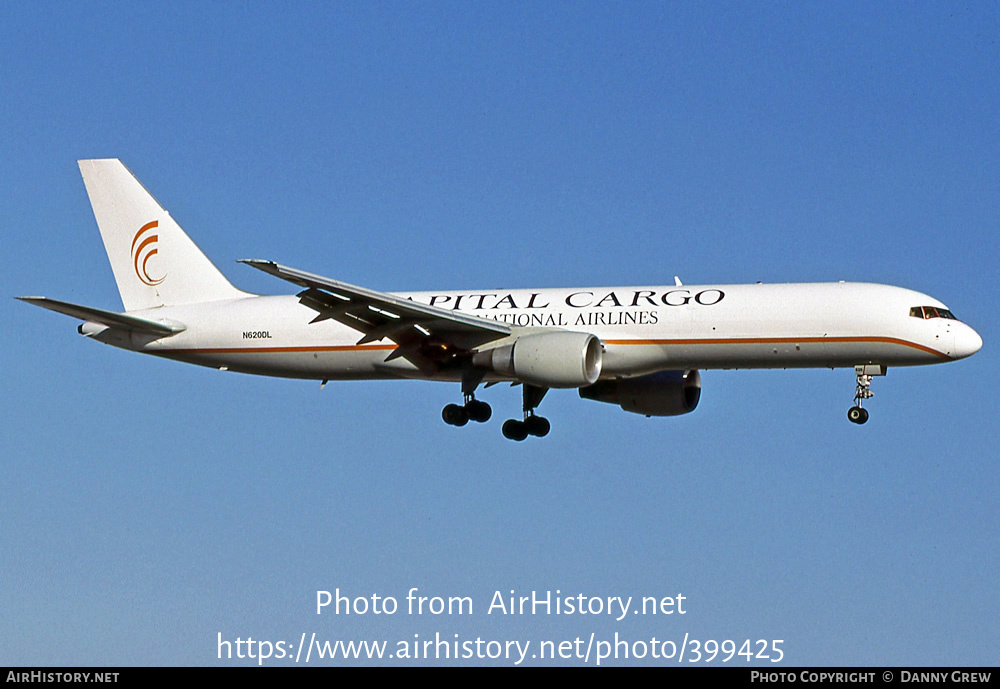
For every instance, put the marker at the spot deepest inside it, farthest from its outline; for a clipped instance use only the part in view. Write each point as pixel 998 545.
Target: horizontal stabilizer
pixel 108 318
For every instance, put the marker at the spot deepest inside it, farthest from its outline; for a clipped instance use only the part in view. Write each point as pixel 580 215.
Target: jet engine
pixel 666 393
pixel 550 360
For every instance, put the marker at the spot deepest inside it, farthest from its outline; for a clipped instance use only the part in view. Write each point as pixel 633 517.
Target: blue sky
pixel 147 506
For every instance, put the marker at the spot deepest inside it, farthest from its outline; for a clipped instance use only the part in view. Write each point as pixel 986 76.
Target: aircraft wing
pixel 426 335
pixel 108 318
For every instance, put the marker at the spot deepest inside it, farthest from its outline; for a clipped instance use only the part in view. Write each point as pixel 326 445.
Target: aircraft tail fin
pixel 155 263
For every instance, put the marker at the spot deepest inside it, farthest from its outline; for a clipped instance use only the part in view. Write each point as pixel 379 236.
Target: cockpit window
pixel 926 312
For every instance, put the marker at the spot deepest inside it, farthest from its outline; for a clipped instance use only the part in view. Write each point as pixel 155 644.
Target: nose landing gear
pixel 858 414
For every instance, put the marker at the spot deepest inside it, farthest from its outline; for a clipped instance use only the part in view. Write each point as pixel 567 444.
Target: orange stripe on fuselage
pixel 781 340
pixel 275 350
pixel 656 342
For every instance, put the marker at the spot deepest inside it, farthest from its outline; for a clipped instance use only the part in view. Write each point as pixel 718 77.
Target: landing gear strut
pixel 858 414
pixel 537 426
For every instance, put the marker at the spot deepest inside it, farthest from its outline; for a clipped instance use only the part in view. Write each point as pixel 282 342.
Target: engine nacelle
pixel 549 360
pixel 666 393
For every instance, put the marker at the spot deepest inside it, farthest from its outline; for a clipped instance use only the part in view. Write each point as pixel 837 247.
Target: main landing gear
pixel 537 426
pixel 858 414
pixel 472 410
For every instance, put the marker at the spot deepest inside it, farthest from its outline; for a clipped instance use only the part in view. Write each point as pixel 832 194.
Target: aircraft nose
pixel 967 342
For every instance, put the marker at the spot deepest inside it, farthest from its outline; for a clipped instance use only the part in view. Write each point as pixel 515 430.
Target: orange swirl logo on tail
pixel 143 248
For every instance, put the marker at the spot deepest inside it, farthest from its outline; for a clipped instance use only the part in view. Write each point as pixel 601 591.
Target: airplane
pixel 638 347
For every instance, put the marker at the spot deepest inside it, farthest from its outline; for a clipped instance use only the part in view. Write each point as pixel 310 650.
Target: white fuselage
pixel 643 329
